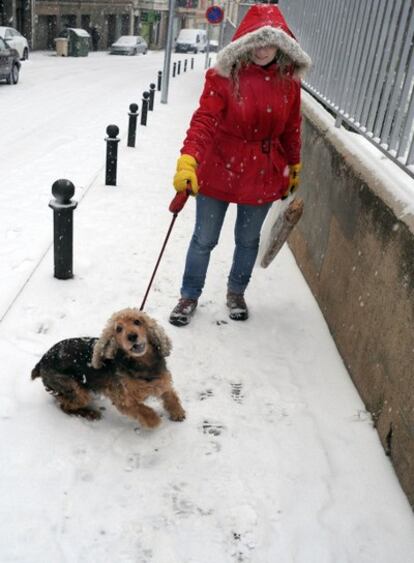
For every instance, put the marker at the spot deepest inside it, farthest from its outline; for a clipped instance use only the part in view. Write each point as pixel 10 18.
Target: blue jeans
pixel 210 215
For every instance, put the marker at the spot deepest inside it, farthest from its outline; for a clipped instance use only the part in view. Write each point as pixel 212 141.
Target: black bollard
pixel 63 207
pixel 151 97
pixel 179 67
pixel 159 80
pixel 174 69
pixel 185 65
pixel 111 154
pixel 132 124
pixel 144 108
pixel 192 63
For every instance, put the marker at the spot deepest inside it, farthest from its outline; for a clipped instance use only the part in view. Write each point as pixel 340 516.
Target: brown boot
pixel 237 306
pixel 183 311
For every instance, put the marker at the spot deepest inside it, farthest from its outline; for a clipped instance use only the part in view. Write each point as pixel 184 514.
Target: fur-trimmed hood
pixel 263 25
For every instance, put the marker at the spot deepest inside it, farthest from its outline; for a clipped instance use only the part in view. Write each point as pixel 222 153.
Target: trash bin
pixel 61 46
pixel 79 41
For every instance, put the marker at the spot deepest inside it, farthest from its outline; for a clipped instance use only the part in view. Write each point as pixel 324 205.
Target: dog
pixel 126 364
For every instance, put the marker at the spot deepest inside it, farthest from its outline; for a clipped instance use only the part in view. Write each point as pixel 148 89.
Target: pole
pixel 132 124
pixel 167 54
pixel 206 65
pixel 151 96
pixel 111 154
pixel 144 108
pixel 63 208
pixel 222 26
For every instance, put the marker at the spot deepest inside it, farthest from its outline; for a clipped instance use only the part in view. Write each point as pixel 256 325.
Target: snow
pixel 277 459
pixel 79 31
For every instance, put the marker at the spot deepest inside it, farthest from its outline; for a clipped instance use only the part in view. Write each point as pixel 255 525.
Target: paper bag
pixel 280 230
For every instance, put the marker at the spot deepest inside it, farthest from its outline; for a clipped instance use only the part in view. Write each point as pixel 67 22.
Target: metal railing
pixel 363 66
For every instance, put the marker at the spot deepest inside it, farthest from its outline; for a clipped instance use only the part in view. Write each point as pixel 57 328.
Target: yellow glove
pixel 294 170
pixel 186 172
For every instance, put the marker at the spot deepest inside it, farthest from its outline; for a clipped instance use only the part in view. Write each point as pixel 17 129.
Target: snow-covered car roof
pixel 127 40
pixel 4 27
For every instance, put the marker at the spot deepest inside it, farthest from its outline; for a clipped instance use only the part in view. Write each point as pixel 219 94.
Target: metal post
pixel 207 62
pixel 159 80
pixel 185 65
pixel 174 69
pixel 151 97
pixel 132 124
pixel 222 26
pixel 192 63
pixel 168 49
pixel 63 207
pixel 144 108
pixel 111 154
pixel 179 67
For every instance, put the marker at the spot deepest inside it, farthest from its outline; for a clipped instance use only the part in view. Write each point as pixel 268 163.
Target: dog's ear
pixel 158 337
pixel 105 348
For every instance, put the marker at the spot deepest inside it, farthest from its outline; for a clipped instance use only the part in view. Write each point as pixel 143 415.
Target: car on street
pixel 9 63
pixel 15 40
pixel 213 45
pixel 191 41
pixel 129 45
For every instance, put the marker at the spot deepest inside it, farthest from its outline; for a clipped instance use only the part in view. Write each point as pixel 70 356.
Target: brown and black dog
pixel 126 364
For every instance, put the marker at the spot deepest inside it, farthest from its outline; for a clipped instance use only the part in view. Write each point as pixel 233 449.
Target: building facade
pixel 41 21
pixel 106 20
pixel 17 14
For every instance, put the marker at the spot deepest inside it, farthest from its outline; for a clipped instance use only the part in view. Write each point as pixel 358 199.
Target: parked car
pixel 16 40
pixel 191 41
pixel 129 45
pixel 213 45
pixel 9 63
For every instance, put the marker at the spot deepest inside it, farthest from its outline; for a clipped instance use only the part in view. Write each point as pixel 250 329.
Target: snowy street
pixel 277 460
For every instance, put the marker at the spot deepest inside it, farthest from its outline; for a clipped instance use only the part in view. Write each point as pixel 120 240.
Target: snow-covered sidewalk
pixel 277 460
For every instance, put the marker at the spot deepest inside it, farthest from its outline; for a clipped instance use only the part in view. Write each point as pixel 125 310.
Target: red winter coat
pixel 244 140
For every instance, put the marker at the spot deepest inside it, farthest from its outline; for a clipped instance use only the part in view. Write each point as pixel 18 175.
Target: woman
pixel 242 147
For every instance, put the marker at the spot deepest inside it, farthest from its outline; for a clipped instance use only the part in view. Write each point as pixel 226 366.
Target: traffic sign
pixel 214 14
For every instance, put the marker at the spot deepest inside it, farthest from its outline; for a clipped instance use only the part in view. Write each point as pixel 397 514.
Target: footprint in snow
pixel 203 395
pixel 236 392
pixel 211 447
pixel 212 428
pixel 243 545
pixel 134 462
pixel 42 328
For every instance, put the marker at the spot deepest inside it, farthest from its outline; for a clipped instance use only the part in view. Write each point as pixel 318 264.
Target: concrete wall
pixel 355 246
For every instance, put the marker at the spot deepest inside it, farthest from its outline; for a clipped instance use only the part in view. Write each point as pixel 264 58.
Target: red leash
pixel 175 207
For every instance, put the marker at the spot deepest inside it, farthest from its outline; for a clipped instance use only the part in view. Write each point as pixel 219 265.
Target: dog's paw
pixel 92 414
pixel 85 412
pixel 178 416
pixel 151 420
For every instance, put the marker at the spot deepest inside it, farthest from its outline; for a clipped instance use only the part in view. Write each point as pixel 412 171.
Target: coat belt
pixel 265 144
